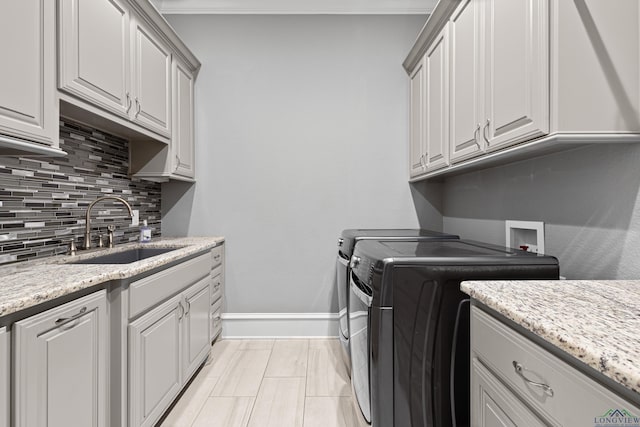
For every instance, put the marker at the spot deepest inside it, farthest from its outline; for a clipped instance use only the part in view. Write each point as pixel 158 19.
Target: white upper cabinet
pixel 28 105
pixel 417 145
pixel 182 139
pixel 466 84
pixel 524 78
pixel 516 71
pixel 437 102
pixel 94 58
pixel 151 80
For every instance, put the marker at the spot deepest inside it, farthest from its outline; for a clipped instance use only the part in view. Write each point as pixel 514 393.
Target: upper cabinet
pixel 122 68
pixel 151 80
pixel 28 105
pixel 94 59
pixel 522 78
pixel 111 60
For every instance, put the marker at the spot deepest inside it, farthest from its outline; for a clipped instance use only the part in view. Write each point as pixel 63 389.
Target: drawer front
pixel 147 292
pixel 216 287
pixel 216 256
pixel 216 319
pixel 573 398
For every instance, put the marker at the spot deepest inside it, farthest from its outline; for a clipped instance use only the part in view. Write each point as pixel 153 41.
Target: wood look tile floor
pixel 269 383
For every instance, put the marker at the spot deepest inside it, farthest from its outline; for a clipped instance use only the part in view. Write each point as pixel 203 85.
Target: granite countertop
pixel 31 283
pixel 597 322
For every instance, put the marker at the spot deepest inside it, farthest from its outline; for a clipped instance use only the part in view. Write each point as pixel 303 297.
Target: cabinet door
pixel 417 161
pixel 493 405
pixel 437 102
pixel 196 326
pixel 517 71
pixel 4 377
pixel 154 362
pixel 28 105
pixel 94 57
pixel 151 81
pixel 182 142
pixel 465 82
pixel 61 366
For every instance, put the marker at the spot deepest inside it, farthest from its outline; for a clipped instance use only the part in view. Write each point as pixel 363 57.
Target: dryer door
pixel 360 299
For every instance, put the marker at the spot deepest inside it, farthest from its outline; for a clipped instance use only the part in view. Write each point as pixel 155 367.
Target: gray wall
pixel 587 197
pixel 301 128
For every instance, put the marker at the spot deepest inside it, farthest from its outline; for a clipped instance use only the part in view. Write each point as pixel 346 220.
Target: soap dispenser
pixel 145 232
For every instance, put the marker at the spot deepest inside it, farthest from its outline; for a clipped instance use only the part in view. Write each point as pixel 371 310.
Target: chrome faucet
pixel 87 231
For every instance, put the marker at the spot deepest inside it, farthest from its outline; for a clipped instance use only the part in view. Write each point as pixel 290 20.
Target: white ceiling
pixel 339 7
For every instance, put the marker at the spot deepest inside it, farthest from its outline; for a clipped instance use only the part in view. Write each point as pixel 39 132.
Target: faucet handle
pixel 72 246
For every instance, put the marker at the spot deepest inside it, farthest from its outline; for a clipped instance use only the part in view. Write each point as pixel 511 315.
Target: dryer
pixel 346 243
pixel 409 325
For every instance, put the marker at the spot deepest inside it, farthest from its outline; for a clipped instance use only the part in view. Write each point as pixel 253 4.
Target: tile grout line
pixel 253 406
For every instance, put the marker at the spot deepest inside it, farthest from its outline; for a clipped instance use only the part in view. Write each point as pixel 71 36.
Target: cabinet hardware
pixel 519 370
pixel 484 131
pixel 181 311
pixel 476 133
pixel 62 320
pixel 423 161
pixel 188 308
pixel 128 102
pixel 138 108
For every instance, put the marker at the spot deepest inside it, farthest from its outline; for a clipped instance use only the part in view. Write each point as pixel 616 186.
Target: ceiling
pixel 338 7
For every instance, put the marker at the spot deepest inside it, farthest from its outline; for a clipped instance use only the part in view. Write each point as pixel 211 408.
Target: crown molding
pixel 296 7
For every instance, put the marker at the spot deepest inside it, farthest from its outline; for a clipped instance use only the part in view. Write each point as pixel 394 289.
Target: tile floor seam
pixel 253 406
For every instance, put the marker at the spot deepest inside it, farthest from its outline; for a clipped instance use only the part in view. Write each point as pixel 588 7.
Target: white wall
pixel 587 197
pixel 301 129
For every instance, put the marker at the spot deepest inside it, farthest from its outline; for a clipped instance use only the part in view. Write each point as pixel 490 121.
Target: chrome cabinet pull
pixel 79 314
pixel 188 308
pixel 177 163
pixel 484 131
pixel 476 132
pixel 138 108
pixel 128 102
pixel 181 310
pixel 520 371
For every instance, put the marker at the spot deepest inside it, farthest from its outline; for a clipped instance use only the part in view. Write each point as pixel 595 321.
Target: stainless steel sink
pixel 126 257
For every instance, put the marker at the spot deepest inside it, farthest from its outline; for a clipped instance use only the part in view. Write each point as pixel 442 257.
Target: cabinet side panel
pixel 4 378
pixel 596 62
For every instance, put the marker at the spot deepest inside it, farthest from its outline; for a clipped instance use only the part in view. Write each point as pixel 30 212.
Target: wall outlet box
pixel 135 219
pixel 525 235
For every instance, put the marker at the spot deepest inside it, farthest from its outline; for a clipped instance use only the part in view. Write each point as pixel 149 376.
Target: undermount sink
pixel 126 257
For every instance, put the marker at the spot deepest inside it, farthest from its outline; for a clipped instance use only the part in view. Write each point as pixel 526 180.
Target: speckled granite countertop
pixel 27 284
pixel 597 322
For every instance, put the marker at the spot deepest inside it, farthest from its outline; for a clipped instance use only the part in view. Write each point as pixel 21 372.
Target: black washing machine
pixel 346 243
pixel 409 325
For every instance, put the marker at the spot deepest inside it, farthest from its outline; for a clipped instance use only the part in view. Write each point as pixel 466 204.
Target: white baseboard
pixel 279 325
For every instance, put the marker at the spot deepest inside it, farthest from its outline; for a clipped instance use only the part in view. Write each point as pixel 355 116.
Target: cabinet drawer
pixel 216 256
pixel 216 319
pixel 573 399
pixel 147 292
pixel 216 287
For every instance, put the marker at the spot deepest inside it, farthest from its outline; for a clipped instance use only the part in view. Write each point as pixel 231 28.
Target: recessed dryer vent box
pixel 525 235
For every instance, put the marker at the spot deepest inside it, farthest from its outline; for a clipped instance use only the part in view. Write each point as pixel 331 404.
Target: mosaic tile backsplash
pixel 43 201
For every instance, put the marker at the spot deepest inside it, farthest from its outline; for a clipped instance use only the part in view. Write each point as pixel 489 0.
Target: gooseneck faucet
pixel 87 231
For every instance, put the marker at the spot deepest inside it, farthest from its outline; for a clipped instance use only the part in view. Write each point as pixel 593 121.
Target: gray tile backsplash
pixel 43 201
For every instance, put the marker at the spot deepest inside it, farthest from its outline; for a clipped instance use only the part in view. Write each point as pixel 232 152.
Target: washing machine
pixel 409 324
pixel 346 243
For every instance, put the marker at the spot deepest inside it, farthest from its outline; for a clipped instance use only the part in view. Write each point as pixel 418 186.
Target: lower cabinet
pixel 166 346
pixel 154 362
pixel 61 365
pixel 514 378
pixel 4 377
